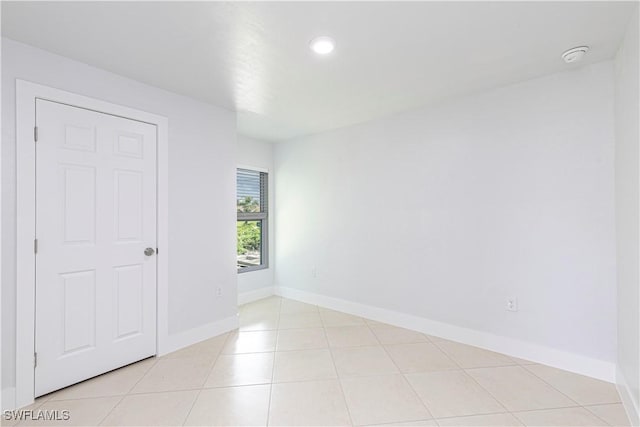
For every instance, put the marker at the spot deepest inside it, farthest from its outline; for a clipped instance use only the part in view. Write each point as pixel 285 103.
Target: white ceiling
pixel 253 57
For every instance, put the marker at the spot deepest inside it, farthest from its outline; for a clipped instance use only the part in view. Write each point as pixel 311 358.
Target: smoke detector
pixel 575 54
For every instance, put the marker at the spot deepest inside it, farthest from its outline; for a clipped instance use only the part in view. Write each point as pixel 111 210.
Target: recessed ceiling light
pixel 575 54
pixel 322 45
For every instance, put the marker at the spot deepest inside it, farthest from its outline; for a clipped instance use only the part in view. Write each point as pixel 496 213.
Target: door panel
pixel 95 215
pixel 79 315
pixel 128 286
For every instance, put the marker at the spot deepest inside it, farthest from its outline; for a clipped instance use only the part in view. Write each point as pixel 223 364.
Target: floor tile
pixel 174 374
pixel 309 319
pixel 39 401
pixel 522 361
pixel 250 342
pixel 614 414
pixel 350 336
pixel 335 318
pixel 419 357
pixel 387 334
pixel 518 389
pixel 241 369
pixel 265 305
pixel 371 321
pixel 258 322
pixel 232 406
pixel 10 421
pixel 114 383
pixel 452 394
pixel 421 423
pixel 473 357
pixel 493 420
pixel 332 368
pixel 584 390
pixel 303 365
pixel 154 409
pixel 382 399
pixel 301 339
pixel 82 412
pixel 207 349
pixel 359 361
pixel 559 417
pixel 290 306
pixel 434 338
pixel 319 403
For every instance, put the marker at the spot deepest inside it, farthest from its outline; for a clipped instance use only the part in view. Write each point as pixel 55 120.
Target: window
pixel 252 207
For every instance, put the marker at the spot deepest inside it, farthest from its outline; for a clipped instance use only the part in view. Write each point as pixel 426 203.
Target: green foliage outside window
pixel 248 204
pixel 248 236
pixel 248 231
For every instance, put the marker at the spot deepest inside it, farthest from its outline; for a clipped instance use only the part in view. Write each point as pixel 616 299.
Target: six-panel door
pixel 95 216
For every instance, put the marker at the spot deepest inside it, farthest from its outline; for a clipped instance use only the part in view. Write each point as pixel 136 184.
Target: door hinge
pixel 35 360
pixel 35 133
pixel 35 246
pixel 156 251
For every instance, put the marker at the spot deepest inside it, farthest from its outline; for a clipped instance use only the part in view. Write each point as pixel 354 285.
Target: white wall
pixel 627 213
pixel 443 213
pixel 258 154
pixel 202 163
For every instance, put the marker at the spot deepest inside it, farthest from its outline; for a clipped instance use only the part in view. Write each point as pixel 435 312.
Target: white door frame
pixel 26 94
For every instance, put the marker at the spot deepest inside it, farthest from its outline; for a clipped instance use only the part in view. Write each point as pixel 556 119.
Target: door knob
pixel 149 251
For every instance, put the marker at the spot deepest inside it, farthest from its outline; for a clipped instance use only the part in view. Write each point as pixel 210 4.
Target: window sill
pixel 256 268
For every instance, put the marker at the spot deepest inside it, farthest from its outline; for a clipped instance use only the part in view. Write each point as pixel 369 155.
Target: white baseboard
pixel 8 398
pixel 630 405
pixel 510 346
pixel 200 333
pixel 247 297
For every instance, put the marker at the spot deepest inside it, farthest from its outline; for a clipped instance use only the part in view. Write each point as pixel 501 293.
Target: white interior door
pixel 95 216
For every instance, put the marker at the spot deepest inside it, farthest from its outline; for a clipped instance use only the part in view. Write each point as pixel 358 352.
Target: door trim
pixel 26 94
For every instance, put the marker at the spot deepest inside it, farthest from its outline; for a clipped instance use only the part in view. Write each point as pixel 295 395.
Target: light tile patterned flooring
pixel 292 363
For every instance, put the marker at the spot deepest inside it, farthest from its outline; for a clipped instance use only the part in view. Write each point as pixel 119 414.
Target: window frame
pixel 262 216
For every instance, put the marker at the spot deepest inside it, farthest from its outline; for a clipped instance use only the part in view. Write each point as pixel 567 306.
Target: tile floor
pixel 292 363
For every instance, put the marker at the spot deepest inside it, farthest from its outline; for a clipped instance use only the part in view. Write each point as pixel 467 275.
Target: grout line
pixel 434 343
pixel 392 424
pixel 415 393
pixel 324 330
pixel 516 413
pixel 215 360
pixel 550 385
pixel 127 394
pixel 509 366
pixel 103 419
pixel 191 407
pixel 586 407
pixel 475 415
pixel 339 380
pixel 273 365
pixel 475 381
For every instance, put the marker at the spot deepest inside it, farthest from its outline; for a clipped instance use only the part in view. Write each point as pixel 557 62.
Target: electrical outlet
pixel 512 304
pixel 219 291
